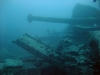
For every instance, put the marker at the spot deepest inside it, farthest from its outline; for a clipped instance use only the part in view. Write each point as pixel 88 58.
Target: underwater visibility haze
pixel 14 23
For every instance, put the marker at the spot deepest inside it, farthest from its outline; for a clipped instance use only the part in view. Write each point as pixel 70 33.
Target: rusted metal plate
pixel 34 46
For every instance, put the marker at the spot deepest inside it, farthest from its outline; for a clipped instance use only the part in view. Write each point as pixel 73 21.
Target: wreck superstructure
pixel 76 54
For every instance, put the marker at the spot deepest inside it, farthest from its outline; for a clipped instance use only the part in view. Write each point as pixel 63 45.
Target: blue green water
pixel 13 19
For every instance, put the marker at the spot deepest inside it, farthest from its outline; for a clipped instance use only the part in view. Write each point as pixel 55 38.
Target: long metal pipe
pixel 91 20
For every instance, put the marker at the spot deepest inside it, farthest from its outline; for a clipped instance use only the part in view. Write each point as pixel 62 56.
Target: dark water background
pixel 13 21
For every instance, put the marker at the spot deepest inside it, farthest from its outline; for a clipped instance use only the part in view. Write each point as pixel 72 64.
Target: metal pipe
pixel 91 20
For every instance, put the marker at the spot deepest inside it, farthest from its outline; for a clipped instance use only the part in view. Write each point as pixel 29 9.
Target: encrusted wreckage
pixel 95 45
pixel 77 53
pixel 67 55
pixel 38 49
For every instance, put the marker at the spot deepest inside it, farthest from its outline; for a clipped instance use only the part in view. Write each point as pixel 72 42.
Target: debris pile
pixel 76 54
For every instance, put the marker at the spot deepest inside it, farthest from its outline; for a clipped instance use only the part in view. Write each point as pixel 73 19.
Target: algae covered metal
pixel 39 49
